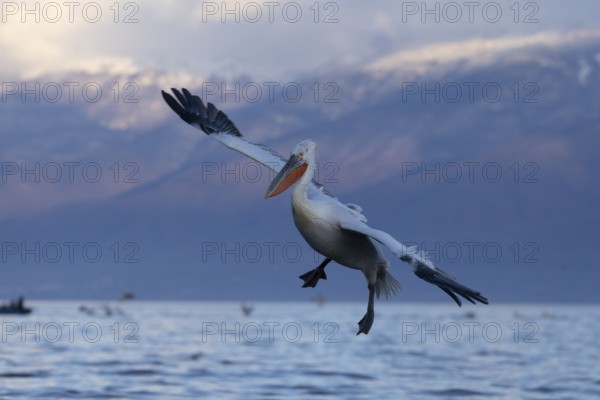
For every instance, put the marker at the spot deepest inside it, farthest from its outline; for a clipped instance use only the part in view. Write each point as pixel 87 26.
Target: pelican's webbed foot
pixel 365 324
pixel 312 277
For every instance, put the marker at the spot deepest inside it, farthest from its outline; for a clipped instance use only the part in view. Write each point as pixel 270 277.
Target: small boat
pixel 320 300
pixel 127 296
pixel 247 309
pixel 15 307
pixel 7 309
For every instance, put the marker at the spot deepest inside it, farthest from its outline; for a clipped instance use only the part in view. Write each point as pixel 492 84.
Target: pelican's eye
pixel 301 154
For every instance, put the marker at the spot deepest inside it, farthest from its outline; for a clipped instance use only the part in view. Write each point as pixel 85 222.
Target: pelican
pixel 335 230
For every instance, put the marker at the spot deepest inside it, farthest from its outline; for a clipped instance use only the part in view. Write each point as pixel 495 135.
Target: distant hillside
pixel 427 145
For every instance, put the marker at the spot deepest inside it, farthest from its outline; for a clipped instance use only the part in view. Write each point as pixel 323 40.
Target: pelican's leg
pixel 312 277
pixel 365 324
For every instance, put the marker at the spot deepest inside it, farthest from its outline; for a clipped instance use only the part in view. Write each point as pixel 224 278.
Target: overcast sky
pixel 269 40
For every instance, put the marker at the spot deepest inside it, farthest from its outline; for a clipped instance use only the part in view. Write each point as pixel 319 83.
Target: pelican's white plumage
pixel 337 231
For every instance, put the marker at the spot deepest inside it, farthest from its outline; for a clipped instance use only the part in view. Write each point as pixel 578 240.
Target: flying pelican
pixel 337 231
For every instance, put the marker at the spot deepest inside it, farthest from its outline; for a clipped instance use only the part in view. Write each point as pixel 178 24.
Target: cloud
pixel 177 35
pixel 474 52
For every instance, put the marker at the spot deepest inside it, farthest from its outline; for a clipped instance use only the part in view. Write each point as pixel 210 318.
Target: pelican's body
pixel 317 225
pixel 337 231
pixel 316 220
pixel 318 216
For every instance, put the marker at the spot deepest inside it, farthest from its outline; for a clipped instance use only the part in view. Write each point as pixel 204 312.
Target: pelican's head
pixel 301 159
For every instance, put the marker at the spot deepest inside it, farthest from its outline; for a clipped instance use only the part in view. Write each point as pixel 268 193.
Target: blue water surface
pixel 190 350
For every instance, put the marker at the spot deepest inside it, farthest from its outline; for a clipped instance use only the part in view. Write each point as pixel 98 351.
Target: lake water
pixel 191 350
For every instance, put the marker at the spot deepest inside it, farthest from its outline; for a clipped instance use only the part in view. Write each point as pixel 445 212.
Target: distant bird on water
pixel 337 231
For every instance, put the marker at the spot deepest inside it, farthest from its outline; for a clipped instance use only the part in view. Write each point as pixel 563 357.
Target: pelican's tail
pixel 386 284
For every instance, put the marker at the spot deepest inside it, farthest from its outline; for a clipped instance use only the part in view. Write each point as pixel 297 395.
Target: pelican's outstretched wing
pixel 217 125
pixel 420 264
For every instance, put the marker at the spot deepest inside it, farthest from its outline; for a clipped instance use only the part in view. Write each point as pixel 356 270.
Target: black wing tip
pixel 449 285
pixel 454 297
pixel 192 110
pixel 179 109
pixel 466 293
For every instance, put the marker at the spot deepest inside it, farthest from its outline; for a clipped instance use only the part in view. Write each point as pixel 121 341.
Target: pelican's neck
pixel 301 187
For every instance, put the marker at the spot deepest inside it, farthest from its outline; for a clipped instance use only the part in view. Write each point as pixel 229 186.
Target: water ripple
pixel 457 393
pixel 25 374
